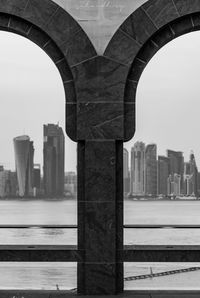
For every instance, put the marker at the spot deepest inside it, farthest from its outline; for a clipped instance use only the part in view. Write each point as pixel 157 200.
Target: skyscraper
pixel 53 152
pixel 126 174
pixel 138 169
pixel 151 170
pixel 174 185
pixel 176 165
pixel 194 175
pixel 24 153
pixel 163 174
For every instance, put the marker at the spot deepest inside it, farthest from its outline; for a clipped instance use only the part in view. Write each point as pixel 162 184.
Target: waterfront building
pixel 4 183
pixel 151 170
pixel 8 184
pixel 126 172
pixel 194 175
pixel 53 153
pixel 174 185
pixel 176 164
pixel 24 153
pixel 71 183
pixel 163 174
pixel 187 185
pixel 138 169
pixel 36 179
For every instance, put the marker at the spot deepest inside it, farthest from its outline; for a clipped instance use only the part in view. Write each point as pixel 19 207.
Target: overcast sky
pixel 168 98
pixel 31 94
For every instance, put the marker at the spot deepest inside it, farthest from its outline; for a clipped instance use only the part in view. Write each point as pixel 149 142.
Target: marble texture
pixel 161 12
pixel 100 121
pixel 100 19
pixel 187 6
pixel 139 26
pixel 103 72
pixel 100 218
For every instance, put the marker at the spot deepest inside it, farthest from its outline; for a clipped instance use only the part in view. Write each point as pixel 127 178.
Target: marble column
pixel 100 216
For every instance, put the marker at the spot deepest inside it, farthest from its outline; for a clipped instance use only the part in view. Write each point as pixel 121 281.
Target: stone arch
pixel 142 34
pixel 50 27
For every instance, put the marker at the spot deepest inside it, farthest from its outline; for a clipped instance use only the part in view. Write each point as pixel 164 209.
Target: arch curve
pixel 55 31
pixel 142 34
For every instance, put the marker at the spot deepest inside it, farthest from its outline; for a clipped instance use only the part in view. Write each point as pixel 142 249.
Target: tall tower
pixel 151 169
pixel 53 155
pixel 176 165
pixel 24 153
pixel 194 174
pixel 163 174
pixel 138 169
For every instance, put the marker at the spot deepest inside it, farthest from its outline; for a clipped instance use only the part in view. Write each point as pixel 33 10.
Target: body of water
pixel 52 212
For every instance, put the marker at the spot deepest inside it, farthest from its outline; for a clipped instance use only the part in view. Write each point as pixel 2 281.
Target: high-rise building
pixel 151 170
pixel 24 153
pixel 176 165
pixel 37 176
pixel 187 186
pixel 126 173
pixel 8 184
pixel 163 174
pixel 36 180
pixel 53 152
pixel 194 175
pixel 138 169
pixel 174 185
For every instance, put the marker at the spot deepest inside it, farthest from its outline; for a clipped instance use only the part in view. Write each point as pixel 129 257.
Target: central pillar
pixel 100 217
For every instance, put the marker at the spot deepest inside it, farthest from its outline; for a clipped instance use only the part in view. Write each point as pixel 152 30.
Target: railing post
pixel 100 217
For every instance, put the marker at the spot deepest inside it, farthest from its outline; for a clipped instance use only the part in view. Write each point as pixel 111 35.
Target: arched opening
pixel 32 121
pixel 164 185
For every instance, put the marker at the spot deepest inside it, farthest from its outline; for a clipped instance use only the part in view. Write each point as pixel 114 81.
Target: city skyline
pixel 32 94
pixel 163 115
pixel 147 173
pixel 27 181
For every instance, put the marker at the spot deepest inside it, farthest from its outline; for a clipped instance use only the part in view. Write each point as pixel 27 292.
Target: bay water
pixel 64 212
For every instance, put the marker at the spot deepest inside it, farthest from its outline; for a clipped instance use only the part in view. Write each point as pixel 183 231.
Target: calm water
pixel 48 275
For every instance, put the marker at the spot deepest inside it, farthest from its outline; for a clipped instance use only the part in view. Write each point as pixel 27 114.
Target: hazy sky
pixel 168 98
pixel 31 94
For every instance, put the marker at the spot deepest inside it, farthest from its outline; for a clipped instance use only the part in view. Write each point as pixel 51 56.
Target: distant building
pixel 163 174
pixel 138 169
pixel 186 179
pixel 36 179
pixel 176 165
pixel 194 175
pixel 1 168
pixel 71 183
pixel 151 170
pixel 8 184
pixel 53 152
pixel 24 153
pixel 126 173
pixel 174 185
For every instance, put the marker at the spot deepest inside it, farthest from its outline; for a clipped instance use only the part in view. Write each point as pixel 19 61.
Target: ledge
pixel 126 294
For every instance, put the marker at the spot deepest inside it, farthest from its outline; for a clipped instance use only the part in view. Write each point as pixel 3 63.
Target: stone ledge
pixel 126 294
